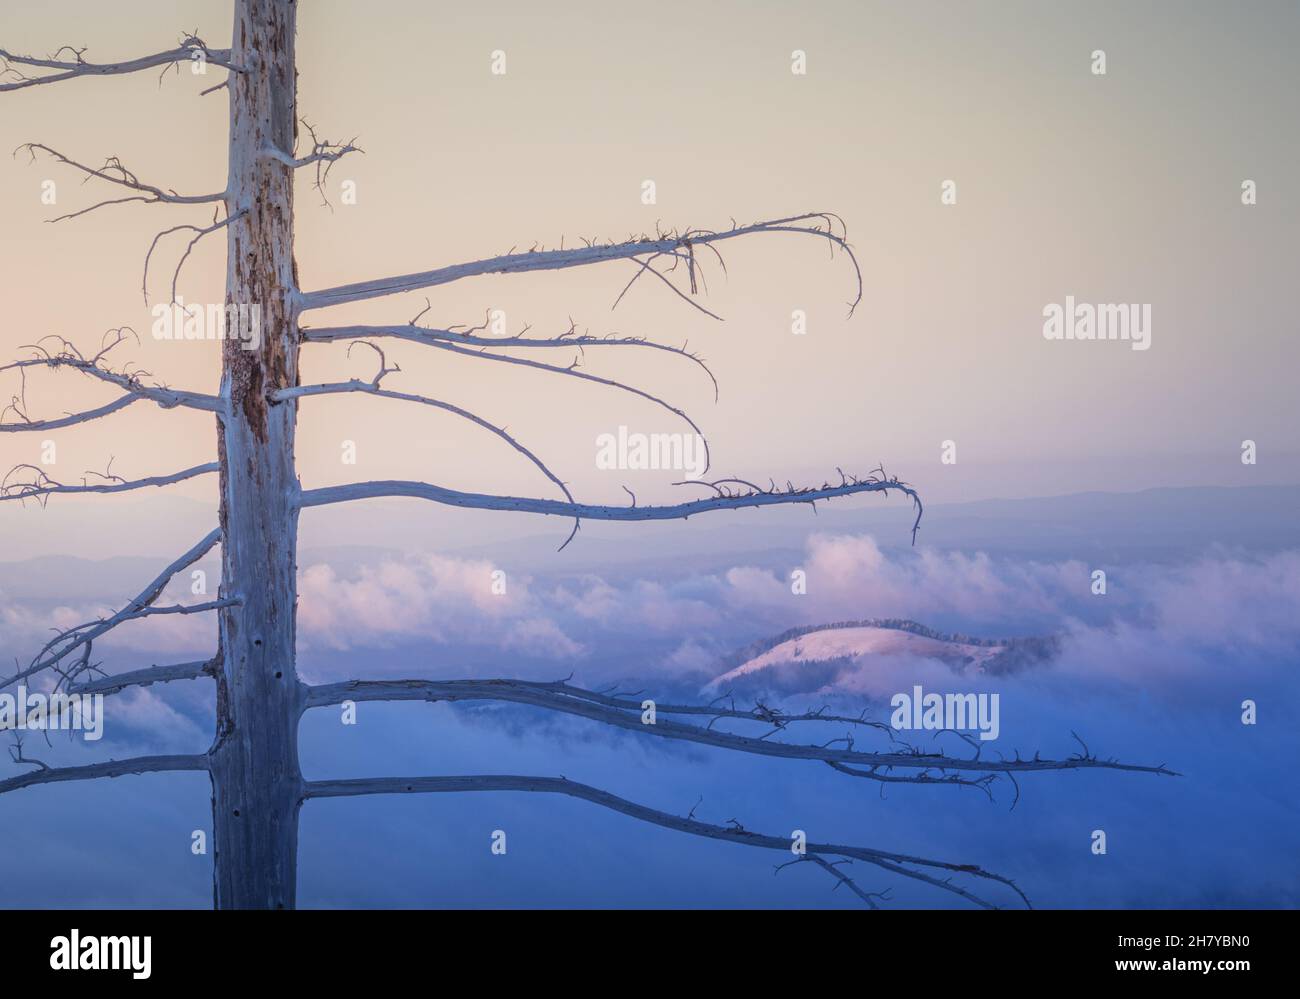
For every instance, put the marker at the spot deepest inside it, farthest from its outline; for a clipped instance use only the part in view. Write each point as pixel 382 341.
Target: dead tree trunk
pixel 256 782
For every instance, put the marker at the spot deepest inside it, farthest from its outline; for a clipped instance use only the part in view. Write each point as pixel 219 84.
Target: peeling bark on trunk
pixel 256 781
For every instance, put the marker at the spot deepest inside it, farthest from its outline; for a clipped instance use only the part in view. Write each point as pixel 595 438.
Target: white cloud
pixel 1155 622
pixel 428 597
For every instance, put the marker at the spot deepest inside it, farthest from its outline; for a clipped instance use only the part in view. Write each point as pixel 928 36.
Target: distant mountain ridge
pixel 1161 524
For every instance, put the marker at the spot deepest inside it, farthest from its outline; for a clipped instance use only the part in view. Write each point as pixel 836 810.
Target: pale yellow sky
pixel 1115 188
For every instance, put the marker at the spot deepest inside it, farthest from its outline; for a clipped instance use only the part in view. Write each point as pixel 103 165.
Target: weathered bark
pixel 256 781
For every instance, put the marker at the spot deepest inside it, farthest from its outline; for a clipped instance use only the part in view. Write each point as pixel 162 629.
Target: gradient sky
pixel 1123 187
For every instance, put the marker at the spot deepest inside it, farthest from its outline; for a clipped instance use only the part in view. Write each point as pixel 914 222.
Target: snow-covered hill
pixel 842 658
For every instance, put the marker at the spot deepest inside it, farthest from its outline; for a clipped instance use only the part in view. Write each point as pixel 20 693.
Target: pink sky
pixel 1115 188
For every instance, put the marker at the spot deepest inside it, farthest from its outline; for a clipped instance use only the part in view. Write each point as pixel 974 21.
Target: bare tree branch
pixel 468 338
pixel 109 768
pixel 115 173
pixel 84 634
pixel 199 233
pixel 77 66
pixel 39 485
pixel 71 420
pixel 573 372
pixel 65 354
pixel 832 867
pixel 723 500
pixel 324 154
pixel 16 753
pixel 372 387
pixel 898 863
pixel 676 244
pixel 627 715
pixel 883 776
pixel 647 267
pixel 760 712
pixel 146 677
pixel 64 643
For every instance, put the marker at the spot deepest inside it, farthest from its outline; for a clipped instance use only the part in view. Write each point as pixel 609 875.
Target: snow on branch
pixel 13 78
pixel 937 873
pixel 644 251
